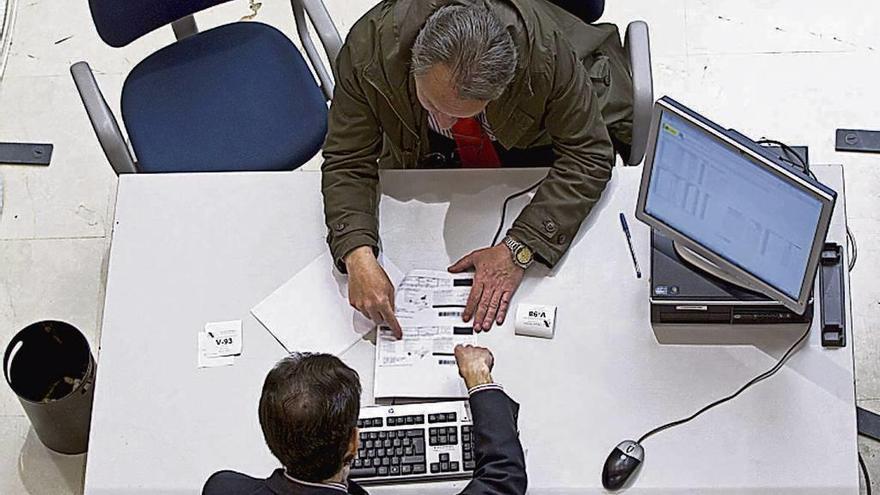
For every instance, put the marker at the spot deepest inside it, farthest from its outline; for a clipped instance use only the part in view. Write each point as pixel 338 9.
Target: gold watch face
pixel 524 255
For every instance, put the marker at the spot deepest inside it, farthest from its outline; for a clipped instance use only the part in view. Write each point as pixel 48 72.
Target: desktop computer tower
pixel 689 306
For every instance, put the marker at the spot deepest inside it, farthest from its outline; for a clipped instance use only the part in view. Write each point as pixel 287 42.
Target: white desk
pixel 188 249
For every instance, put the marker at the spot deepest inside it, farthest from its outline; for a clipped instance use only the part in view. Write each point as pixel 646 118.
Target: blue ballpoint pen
pixel 630 242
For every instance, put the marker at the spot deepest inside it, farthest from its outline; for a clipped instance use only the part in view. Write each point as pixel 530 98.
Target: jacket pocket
pixel 600 74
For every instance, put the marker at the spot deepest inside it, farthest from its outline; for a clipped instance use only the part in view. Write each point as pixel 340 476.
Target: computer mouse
pixel 623 461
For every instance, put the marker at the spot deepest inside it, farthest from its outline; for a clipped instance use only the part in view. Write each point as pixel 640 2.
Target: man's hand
pixel 369 289
pixel 474 364
pixel 495 281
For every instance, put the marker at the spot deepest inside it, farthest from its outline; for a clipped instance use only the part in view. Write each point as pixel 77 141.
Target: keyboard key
pixel 395 470
pixel 432 441
pixel 467 456
pixel 451 416
pixel 377 462
pixel 357 463
pixel 444 466
pixel 410 420
pixel 401 433
pixel 392 421
pixel 441 440
pixel 419 469
pixel 453 466
pixel 374 435
pixel 419 419
pixel 371 453
pixel 386 461
pixel 383 471
pixel 398 451
pixel 377 422
pixel 364 472
pixel 368 444
pixel 380 452
pixel 415 433
pixel 419 445
pixel 383 435
pixel 406 469
pixel 413 459
pixel 470 465
pixel 408 450
pixel 407 442
pixel 444 457
pixel 395 461
pixel 387 443
pixel 451 430
pixel 433 418
pixel 435 467
pixel 396 442
pixel 453 439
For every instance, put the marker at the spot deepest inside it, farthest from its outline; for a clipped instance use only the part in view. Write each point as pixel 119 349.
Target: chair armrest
pixel 102 119
pixel 638 46
pixel 327 33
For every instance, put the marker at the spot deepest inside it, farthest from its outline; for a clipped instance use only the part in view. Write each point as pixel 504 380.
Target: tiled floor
pixel 786 69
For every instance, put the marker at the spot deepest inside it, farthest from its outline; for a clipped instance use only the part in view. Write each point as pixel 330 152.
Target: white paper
pixel 311 312
pixel 204 360
pixel 223 338
pixel 429 305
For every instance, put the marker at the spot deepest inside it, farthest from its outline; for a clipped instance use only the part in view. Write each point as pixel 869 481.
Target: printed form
pixel 428 305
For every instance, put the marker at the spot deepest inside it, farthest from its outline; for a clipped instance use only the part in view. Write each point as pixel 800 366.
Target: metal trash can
pixel 50 367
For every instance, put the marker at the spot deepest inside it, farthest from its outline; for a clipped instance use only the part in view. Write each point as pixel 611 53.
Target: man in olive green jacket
pixel 479 83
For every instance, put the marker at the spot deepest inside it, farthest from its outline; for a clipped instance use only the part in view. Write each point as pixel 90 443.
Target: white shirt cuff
pixel 485 386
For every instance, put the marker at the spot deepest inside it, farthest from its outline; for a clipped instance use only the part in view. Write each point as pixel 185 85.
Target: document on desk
pixel 428 305
pixel 311 313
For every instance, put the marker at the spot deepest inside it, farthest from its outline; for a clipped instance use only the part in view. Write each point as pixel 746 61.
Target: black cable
pixel 854 248
pixel 865 474
pixel 789 150
pixel 504 208
pixel 759 378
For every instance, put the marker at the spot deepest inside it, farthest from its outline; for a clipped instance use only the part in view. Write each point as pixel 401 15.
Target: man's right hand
pixel 474 365
pixel 370 291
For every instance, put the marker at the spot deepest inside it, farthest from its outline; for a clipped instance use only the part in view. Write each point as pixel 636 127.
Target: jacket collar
pixel 283 484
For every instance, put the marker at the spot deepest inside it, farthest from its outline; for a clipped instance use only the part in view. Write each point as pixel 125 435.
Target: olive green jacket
pixel 571 88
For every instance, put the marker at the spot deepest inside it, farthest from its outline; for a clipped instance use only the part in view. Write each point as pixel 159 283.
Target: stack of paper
pixel 311 312
pixel 429 305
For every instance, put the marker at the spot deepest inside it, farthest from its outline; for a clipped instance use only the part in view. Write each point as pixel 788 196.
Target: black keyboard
pixel 414 442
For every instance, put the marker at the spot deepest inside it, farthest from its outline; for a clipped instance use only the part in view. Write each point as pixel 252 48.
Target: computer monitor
pixel 731 209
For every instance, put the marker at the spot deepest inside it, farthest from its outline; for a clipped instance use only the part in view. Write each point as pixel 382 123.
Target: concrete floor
pixel 792 70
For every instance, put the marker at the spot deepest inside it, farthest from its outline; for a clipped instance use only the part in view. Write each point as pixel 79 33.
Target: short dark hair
pixel 308 411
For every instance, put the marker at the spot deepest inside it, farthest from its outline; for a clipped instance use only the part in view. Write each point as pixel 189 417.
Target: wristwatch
pixel 522 255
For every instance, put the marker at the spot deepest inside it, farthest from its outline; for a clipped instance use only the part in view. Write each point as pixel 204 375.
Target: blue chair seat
pixel 235 98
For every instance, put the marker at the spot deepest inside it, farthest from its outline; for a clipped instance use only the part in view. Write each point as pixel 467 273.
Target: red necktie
pixel 474 146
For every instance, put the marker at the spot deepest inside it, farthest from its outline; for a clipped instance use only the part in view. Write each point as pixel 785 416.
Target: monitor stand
pixel 701 263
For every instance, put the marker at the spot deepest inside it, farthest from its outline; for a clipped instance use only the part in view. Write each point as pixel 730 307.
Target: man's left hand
pixel 496 279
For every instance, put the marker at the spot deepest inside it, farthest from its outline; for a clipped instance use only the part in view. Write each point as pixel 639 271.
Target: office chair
pixel 638 46
pixel 238 97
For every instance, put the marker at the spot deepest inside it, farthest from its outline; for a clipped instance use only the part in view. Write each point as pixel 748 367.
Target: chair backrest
pixel 119 22
pixel 588 11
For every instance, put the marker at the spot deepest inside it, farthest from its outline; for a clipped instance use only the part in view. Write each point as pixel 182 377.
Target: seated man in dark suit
pixel 309 411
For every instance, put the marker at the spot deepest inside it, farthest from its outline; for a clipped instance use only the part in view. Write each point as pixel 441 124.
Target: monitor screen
pixel 721 199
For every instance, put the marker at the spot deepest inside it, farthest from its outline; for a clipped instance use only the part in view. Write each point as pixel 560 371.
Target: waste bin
pixel 50 367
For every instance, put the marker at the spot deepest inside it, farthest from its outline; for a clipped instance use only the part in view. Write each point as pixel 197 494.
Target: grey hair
pixel 473 43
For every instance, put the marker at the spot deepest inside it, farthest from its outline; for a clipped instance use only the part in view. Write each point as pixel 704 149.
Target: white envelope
pixel 311 313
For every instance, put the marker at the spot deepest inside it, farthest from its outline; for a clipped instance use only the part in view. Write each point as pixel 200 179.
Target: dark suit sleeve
pixel 501 465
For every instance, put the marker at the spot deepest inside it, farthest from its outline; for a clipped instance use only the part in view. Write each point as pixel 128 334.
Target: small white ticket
pixel 219 343
pixel 224 338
